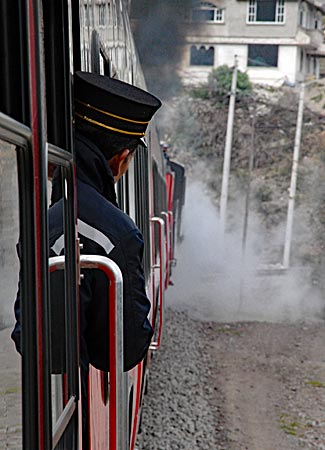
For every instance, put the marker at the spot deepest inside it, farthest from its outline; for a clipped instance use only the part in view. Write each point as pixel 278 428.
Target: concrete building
pixel 275 40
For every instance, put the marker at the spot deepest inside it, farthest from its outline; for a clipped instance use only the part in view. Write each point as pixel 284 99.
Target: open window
pixel 10 383
pixel 207 12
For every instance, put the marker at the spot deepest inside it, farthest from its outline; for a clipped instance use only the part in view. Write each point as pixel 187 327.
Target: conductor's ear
pixel 119 163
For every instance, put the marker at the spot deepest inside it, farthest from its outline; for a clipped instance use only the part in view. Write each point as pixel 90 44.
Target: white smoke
pixel 212 280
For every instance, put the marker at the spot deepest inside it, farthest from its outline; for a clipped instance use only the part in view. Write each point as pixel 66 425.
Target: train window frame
pixel 20 137
pixel 65 161
pixel 141 186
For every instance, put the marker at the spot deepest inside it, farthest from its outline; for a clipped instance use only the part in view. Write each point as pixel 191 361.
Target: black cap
pixel 113 105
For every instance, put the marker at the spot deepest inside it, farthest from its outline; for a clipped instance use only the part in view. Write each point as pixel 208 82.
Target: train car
pixel 43 43
pixel 175 189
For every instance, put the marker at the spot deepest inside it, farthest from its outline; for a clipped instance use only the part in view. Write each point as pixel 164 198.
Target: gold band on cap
pixel 110 114
pixel 132 133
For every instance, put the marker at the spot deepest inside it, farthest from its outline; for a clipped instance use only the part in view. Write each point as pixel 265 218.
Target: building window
pixel 202 56
pixel 262 55
pixel 302 17
pixel 102 14
pixel 86 15
pixel 301 65
pixel 266 11
pixel 318 22
pixel 207 12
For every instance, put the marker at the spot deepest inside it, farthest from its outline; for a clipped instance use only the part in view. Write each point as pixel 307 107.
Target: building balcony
pixel 315 38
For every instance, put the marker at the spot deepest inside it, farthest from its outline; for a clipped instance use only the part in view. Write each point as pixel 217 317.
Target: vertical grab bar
pixel 171 234
pixel 118 435
pixel 161 266
pixel 167 245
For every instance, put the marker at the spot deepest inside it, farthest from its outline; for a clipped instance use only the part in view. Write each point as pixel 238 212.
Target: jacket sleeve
pixel 137 328
pixel 127 254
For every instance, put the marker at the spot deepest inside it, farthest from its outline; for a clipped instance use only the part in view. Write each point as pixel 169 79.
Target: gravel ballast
pixel 235 386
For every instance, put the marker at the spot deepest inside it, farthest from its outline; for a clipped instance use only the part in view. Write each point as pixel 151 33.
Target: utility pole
pixel 246 213
pixel 248 187
pixel 227 154
pixel 293 183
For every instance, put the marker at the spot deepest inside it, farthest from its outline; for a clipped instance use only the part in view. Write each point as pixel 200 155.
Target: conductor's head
pixel 111 113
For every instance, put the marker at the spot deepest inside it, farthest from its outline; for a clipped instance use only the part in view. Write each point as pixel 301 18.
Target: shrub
pixel 219 81
pixel 264 194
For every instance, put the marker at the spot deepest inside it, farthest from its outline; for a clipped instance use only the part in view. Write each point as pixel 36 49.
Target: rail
pixel 155 344
pixel 118 439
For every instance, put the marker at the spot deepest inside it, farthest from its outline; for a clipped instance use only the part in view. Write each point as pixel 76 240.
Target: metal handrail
pixel 167 244
pixel 14 132
pixel 171 235
pixel 63 421
pixel 161 266
pixel 57 155
pixel 118 435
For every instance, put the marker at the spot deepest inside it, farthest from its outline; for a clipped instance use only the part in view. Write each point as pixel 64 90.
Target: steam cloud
pixel 212 283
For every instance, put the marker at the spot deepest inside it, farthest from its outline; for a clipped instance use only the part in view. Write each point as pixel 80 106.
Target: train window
pixel 8 231
pixel 57 302
pixel 10 381
pixel 123 193
pixel 141 189
pixel 62 285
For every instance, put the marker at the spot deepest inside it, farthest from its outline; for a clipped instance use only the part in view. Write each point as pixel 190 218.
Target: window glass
pixel 266 11
pixel 202 56
pixel 202 15
pixel 141 188
pixel 86 16
pixel 207 13
pixel 102 14
pixel 61 290
pixel 302 18
pixel 263 55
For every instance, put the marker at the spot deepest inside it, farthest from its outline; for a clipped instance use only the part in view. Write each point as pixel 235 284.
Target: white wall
pixel 287 67
pixel 288 60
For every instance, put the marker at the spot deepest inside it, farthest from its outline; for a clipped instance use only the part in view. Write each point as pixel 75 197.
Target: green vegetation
pixel 219 84
pixel 11 390
pixel 290 426
pixel 263 194
pixel 317 98
pixel 315 384
pixel 231 331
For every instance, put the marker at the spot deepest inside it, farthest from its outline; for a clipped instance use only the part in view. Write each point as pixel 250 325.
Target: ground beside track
pixel 236 386
pixel 10 394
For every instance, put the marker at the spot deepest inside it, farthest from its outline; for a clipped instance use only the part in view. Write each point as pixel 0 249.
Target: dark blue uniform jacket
pixel 103 230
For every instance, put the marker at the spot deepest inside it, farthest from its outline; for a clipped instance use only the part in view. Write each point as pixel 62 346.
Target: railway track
pixel 237 386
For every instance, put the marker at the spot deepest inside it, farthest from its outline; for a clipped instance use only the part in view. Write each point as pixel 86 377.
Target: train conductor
pixel 111 118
